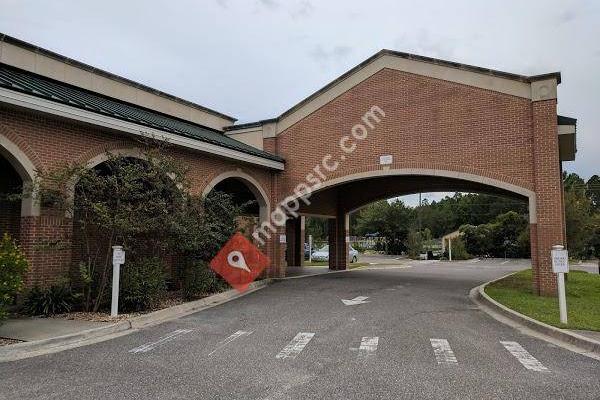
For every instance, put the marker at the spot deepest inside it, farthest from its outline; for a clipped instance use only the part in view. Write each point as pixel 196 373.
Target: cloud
pixel 272 4
pixel 302 9
pixel 424 44
pixel 324 56
pixel 566 16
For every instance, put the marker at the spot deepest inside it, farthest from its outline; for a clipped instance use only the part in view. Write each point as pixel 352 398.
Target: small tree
pixel 143 204
pixel 414 243
pixel 13 266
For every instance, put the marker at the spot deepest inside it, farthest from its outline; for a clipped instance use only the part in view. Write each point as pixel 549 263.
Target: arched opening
pixel 247 197
pixel 247 193
pixel 18 174
pixel 11 186
pixel 338 198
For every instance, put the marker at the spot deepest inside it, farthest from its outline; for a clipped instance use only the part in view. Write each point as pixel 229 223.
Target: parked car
pixel 323 254
pixel 307 251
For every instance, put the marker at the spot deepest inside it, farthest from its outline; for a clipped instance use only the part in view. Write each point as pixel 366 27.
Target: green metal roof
pixel 562 120
pixel 27 82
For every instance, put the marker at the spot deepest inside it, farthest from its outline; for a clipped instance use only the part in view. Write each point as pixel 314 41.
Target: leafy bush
pixel 459 252
pixel 56 299
pixel 143 284
pixel 13 266
pixel 200 280
pixel 144 205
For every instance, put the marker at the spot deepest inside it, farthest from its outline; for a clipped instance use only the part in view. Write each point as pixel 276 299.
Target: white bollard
pixel 562 298
pixel 560 265
pixel 118 259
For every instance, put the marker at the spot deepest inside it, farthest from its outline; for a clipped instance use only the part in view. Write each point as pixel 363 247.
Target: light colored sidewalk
pixel 306 271
pixel 29 329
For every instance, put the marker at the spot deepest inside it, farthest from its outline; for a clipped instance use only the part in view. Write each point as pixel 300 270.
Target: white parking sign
pixel 560 261
pixel 118 255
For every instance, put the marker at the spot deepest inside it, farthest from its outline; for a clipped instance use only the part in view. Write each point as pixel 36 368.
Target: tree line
pixel 491 225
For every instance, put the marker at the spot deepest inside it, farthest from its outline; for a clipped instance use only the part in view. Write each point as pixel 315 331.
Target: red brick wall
pixel 548 187
pixel 435 124
pixel 429 123
pixel 51 142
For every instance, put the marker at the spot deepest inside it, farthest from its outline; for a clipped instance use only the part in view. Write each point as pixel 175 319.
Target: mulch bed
pixel 172 299
pixel 6 341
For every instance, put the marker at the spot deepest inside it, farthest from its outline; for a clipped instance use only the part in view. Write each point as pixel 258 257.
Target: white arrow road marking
pixel 167 338
pixel 368 347
pixel 528 361
pixel 355 301
pixel 230 339
pixel 443 353
pixel 297 344
pixel 504 262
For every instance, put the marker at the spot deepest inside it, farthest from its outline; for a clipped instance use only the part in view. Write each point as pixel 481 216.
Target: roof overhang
pixel 49 107
pixel 567 138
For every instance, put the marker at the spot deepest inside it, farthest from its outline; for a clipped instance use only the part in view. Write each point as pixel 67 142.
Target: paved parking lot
pixel 407 330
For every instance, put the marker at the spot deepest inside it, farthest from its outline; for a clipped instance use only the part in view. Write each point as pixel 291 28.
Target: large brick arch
pixel 434 127
pixel 480 181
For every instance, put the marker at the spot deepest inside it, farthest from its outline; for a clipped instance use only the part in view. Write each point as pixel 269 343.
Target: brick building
pixel 395 124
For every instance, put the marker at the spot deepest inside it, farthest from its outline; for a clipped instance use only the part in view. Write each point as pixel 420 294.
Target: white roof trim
pixel 419 67
pixel 50 107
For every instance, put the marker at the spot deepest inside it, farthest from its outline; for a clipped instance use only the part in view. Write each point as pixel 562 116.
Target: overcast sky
pixel 253 59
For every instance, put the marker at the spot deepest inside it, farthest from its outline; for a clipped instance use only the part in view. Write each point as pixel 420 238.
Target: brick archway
pixel 26 169
pixel 406 116
pixel 253 185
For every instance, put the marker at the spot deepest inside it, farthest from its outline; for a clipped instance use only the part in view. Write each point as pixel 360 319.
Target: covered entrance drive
pixel 398 124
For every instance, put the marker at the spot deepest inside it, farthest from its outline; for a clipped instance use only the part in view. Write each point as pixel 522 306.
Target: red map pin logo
pixel 239 262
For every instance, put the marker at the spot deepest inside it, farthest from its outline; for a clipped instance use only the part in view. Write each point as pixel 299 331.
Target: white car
pixel 323 254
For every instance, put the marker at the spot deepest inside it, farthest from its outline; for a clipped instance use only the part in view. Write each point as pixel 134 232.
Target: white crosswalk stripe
pixel 368 347
pixel 295 346
pixel 443 352
pixel 229 339
pixel 167 338
pixel 528 361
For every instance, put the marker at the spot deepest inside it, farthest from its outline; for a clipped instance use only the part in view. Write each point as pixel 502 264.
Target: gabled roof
pixel 485 78
pixel 26 82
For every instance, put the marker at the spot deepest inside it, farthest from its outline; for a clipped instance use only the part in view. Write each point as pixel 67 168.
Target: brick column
pixel 332 242
pixel 549 227
pixel 302 238
pixel 295 243
pixel 338 244
pixel 276 252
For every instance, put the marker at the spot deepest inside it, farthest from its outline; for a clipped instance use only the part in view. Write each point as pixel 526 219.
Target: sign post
pixel 449 249
pixel 310 243
pixel 118 259
pixel 560 266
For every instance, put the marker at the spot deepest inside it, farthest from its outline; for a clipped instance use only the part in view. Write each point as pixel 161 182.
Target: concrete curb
pixel 561 337
pixel 39 347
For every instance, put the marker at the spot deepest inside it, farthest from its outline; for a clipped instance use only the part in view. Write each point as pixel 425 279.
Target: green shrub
pixel 13 266
pixel 143 284
pixel 56 299
pixel 358 247
pixel 199 280
pixel 459 252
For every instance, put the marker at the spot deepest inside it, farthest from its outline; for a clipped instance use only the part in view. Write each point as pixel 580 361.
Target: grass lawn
pixel 583 299
pixel 325 263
